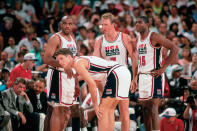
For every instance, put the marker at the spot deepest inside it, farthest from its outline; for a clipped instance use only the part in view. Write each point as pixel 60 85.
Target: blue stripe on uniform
pixel 157 87
pixel 158 53
pixel 98 69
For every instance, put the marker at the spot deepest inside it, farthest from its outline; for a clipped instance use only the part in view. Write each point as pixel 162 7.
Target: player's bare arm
pixel 163 42
pixel 52 46
pixel 77 86
pixel 81 68
pixel 131 48
pixel 97 48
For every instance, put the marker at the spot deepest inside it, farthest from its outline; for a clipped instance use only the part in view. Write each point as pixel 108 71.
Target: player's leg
pixel 107 106
pixel 48 117
pixel 124 114
pixel 147 114
pixel 59 118
pixel 156 119
pixel 124 79
pixel 157 95
pixel 117 86
pixel 55 121
pixel 87 112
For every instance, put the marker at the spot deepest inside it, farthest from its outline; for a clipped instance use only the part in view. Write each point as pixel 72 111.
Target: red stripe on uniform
pixel 94 72
pixel 117 82
pixel 60 45
pixel 123 42
pixel 78 58
pixel 152 76
pixel 98 66
pixel 151 42
pixel 51 78
pixel 60 87
pixel 66 104
pixel 145 98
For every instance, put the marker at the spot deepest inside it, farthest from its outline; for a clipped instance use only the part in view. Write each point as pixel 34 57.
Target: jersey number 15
pixel 142 60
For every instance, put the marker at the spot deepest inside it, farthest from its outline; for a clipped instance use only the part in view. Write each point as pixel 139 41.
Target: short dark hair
pixel 63 51
pixel 20 80
pixel 144 18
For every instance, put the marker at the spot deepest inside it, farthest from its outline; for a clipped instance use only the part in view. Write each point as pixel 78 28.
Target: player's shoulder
pixel 155 35
pixel 55 36
pixel 124 34
pixel 126 37
pixel 99 38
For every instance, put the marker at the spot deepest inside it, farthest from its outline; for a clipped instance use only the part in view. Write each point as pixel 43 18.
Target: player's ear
pixel 69 56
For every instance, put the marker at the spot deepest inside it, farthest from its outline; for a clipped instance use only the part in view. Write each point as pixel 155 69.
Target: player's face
pixel 140 25
pixel 106 25
pixel 66 25
pixel 64 61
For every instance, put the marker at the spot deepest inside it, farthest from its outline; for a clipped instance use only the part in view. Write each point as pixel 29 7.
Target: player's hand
pixel 77 91
pixel 134 85
pixel 98 112
pixel 157 73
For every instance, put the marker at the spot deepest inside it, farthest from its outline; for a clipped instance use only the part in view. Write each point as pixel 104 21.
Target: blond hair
pixel 109 16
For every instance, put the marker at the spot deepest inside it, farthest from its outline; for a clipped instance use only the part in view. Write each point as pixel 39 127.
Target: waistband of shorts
pixel 55 104
pixel 144 73
pixel 114 67
pixel 57 69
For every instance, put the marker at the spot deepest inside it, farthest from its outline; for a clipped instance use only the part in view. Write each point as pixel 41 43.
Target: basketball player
pixel 61 83
pixel 150 72
pixel 118 79
pixel 115 46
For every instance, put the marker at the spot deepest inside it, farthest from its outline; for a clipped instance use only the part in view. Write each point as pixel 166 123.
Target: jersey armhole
pixel 127 53
pixel 101 43
pixel 60 44
pixel 123 42
pixel 79 58
pixel 151 42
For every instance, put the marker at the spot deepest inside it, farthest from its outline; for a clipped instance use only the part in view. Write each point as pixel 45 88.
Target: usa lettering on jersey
pixel 112 50
pixel 72 48
pixel 142 50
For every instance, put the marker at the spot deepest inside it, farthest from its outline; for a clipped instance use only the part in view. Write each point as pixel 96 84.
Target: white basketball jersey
pixel 149 56
pixel 115 51
pixel 68 44
pixel 98 67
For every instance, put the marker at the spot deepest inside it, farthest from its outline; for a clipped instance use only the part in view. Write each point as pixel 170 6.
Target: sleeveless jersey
pixel 64 43
pixel 98 67
pixel 59 88
pixel 149 56
pixel 115 51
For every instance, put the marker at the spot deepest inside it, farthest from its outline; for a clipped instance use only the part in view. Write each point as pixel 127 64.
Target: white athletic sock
pixel 84 129
pixel 68 128
pixel 94 128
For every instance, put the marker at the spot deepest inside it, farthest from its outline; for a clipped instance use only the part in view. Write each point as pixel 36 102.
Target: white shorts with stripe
pixel 118 83
pixel 59 88
pixel 150 87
